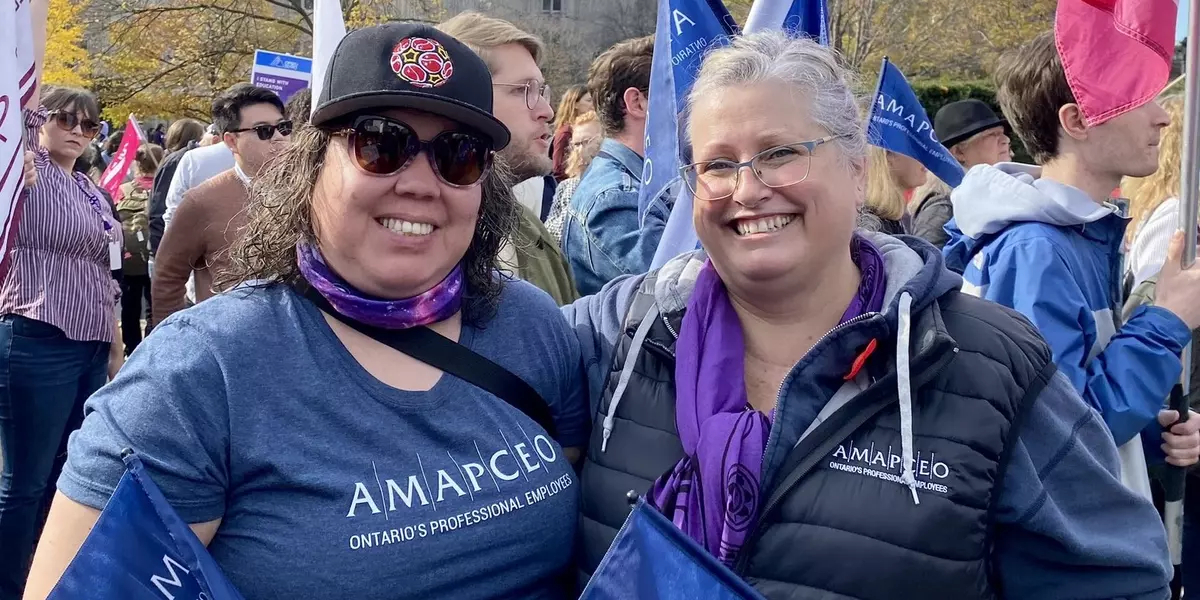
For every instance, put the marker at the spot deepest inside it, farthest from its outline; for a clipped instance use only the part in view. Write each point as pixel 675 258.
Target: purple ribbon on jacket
pixel 713 493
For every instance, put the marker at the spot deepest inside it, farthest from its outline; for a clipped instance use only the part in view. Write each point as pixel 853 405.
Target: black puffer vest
pixel 836 522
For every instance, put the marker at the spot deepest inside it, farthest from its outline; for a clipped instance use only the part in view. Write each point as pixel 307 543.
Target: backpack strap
pixel 431 348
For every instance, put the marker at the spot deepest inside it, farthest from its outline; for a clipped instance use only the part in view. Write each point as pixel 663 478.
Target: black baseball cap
pixel 409 65
pixel 960 120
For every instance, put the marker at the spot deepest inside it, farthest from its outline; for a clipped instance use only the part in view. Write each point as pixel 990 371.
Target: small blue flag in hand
pixel 898 122
pixel 141 550
pixel 651 559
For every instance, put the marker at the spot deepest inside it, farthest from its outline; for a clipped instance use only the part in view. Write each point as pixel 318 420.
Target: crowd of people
pixel 864 384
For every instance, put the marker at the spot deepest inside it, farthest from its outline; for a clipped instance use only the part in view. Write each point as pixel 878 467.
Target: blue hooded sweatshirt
pixel 1049 251
pixel 1066 527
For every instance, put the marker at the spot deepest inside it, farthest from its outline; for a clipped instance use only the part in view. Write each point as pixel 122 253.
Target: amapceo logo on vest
pixel 870 460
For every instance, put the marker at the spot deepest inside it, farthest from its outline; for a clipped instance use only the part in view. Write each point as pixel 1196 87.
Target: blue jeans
pixel 44 380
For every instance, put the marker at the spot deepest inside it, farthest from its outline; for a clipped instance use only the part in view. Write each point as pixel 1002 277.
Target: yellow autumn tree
pixel 66 59
pixel 170 58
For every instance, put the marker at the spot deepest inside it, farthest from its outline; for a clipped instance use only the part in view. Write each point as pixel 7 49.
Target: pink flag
pixel 1116 53
pixel 115 174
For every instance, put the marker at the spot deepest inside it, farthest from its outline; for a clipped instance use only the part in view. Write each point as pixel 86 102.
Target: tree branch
pixel 162 10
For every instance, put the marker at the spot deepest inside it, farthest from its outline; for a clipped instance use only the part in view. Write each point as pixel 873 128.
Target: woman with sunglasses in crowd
pixel 313 458
pixel 57 319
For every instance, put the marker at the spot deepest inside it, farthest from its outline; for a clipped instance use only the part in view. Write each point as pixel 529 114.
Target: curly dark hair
pixel 280 217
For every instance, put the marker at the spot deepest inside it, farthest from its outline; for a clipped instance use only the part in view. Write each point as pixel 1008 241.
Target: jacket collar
pixel 628 159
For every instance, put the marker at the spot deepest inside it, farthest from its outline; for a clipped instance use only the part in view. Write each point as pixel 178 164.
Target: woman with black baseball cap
pixel 325 426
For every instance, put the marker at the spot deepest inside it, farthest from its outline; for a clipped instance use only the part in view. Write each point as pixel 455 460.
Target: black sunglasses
pixel 266 132
pixel 68 121
pixel 383 146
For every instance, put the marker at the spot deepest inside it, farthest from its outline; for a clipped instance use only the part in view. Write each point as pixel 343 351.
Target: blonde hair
pixel 1146 194
pixel 580 157
pixel 884 196
pixel 481 33
pixel 566 112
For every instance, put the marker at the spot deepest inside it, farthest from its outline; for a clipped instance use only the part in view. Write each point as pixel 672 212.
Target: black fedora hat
pixel 409 65
pixel 960 120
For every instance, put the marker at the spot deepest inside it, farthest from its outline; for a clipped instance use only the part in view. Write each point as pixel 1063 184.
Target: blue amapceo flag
pixel 685 31
pixel 651 559
pixel 898 122
pixel 141 550
pixel 809 18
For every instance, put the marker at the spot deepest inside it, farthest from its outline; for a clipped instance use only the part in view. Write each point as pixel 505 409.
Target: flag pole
pixel 1173 484
pixel 766 15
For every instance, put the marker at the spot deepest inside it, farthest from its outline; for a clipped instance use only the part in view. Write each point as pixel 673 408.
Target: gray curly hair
pixel 814 70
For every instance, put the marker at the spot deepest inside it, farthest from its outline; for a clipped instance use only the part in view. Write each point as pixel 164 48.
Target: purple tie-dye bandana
pixel 436 304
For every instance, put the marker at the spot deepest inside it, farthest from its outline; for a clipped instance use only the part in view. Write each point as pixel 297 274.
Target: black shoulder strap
pixel 431 348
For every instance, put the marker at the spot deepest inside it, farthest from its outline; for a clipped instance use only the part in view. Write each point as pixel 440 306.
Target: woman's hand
pixel 116 359
pixel 30 171
pixel 116 351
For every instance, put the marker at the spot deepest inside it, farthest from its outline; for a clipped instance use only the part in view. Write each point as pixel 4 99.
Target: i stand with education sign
pixel 284 74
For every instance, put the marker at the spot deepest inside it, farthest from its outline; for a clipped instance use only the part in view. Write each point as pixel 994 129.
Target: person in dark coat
pixel 183 135
pixel 798 391
pixel 975 135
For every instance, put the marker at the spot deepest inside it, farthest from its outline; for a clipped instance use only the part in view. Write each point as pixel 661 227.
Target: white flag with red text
pixel 17 81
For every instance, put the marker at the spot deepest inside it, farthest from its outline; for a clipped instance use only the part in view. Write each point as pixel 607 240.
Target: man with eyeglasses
pixel 602 235
pixel 522 102
pixel 208 219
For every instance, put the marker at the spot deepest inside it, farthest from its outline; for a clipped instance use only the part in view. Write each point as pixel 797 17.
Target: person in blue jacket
pixel 1047 241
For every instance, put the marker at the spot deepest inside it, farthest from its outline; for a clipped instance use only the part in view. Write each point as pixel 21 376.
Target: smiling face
pixel 393 236
pixel 774 236
pixel 528 154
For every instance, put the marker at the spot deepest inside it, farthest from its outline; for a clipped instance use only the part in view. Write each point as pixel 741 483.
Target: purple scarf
pixel 436 304
pixel 713 493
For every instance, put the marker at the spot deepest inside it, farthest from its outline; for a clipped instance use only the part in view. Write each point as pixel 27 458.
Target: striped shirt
pixel 59 272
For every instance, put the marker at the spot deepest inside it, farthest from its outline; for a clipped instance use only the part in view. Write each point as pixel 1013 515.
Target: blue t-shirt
pixel 331 484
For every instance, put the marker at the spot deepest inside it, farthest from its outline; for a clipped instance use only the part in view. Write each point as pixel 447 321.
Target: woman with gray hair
pixel 818 406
